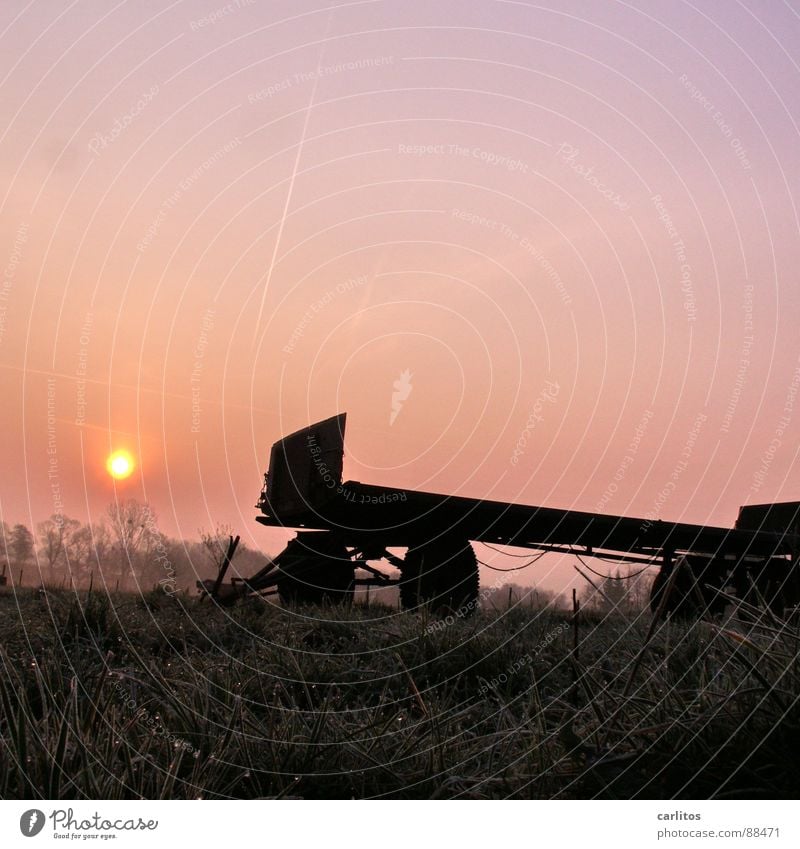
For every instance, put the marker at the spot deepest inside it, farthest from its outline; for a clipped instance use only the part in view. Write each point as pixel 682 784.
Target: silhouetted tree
pixel 54 537
pixel 607 595
pixel 639 586
pixel 626 590
pixel 5 544
pixel 186 559
pixel 508 595
pixel 88 549
pixel 153 562
pixel 21 545
pixel 216 544
pixel 129 524
pixel 5 541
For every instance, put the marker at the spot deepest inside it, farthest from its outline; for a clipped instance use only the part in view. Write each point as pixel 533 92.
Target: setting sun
pixel 120 465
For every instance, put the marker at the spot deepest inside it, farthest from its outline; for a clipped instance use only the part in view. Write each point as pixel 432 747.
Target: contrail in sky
pixel 294 174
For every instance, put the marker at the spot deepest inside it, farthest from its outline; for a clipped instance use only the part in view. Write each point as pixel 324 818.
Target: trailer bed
pixel 400 517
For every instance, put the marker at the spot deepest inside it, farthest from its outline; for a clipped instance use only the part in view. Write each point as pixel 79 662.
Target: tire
pixel 682 602
pixel 776 581
pixel 315 570
pixel 697 578
pixel 443 573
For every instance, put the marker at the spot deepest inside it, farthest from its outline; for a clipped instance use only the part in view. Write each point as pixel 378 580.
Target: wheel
pixel 682 602
pixel 443 573
pixel 314 569
pixel 776 582
pixel 695 591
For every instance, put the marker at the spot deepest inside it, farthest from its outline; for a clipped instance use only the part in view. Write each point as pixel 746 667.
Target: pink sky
pixel 569 222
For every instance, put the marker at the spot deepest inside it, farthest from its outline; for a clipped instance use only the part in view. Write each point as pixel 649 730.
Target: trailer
pixel 344 526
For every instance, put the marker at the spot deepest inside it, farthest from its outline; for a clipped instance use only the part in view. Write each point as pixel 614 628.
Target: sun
pixel 120 465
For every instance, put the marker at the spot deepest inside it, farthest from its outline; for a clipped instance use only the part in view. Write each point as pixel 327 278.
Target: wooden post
pixel 576 609
pixel 574 658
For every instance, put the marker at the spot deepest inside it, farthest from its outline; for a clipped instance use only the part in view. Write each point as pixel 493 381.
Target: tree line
pixel 626 590
pixel 123 550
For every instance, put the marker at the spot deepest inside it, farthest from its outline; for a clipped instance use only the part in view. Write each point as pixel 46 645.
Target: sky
pixel 569 230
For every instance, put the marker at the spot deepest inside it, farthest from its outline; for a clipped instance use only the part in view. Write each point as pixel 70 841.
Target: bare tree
pixel 5 545
pixel 639 584
pixel 216 544
pixel 88 548
pixel 54 536
pixel 21 545
pixel 79 551
pixel 154 564
pixel 626 590
pixel 129 524
pixel 102 544
pixel 5 540
pixel 605 594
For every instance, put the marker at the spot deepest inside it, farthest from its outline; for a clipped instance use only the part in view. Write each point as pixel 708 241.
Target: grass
pixel 165 697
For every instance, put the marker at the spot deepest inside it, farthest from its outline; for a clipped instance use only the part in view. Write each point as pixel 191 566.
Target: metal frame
pixel 370 519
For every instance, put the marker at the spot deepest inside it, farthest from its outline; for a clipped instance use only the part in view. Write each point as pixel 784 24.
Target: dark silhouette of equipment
pixel 346 525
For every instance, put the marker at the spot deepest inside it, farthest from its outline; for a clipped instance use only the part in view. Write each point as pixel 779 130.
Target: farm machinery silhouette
pixel 344 526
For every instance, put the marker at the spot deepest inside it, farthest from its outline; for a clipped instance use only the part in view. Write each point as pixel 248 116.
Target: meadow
pixel 164 696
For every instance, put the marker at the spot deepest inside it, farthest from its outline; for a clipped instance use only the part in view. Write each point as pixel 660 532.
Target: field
pixel 166 697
